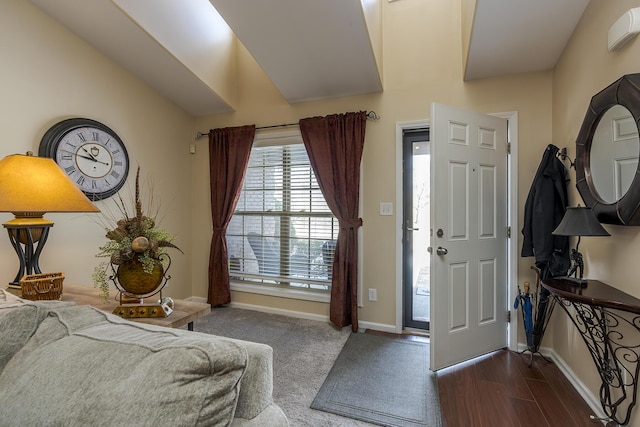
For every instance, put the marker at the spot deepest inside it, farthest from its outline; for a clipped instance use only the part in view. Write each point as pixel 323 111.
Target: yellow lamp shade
pixel 35 185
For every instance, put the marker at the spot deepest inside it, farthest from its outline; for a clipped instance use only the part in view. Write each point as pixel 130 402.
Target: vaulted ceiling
pixel 186 50
pixel 510 37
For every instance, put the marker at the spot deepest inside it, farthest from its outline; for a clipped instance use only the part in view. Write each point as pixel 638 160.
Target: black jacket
pixel 543 211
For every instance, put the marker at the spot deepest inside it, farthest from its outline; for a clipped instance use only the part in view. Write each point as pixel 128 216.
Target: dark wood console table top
pixel 608 320
pixel 595 293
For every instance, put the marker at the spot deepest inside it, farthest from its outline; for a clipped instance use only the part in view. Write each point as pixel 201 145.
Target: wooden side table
pixel 609 322
pixel 184 312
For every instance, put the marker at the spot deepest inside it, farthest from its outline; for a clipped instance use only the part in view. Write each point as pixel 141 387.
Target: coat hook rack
pixel 562 155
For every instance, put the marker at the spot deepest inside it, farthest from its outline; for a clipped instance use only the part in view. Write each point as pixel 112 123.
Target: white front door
pixel 469 235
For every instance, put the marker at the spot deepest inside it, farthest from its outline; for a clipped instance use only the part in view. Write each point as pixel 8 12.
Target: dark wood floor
pixel 500 389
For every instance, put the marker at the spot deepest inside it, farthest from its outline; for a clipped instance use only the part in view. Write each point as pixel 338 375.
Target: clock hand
pixel 79 155
pixel 85 157
pixel 85 150
pixel 93 157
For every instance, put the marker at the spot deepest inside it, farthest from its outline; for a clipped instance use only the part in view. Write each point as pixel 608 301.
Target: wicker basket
pixel 47 286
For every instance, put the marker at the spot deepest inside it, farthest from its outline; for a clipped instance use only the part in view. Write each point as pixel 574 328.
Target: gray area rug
pixel 303 354
pixel 384 381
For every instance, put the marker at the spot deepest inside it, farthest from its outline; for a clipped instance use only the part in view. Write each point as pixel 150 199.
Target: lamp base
pixel 28 236
pixel 574 281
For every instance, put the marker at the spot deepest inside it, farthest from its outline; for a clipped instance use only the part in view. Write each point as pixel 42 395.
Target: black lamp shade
pixel 579 221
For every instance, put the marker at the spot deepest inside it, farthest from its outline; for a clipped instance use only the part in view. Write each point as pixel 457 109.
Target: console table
pixel 609 322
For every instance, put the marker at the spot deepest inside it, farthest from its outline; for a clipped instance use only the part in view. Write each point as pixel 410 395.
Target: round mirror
pixel 607 150
pixel 614 154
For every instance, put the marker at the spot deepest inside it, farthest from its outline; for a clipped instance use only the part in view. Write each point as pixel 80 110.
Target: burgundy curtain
pixel 334 144
pixel 229 151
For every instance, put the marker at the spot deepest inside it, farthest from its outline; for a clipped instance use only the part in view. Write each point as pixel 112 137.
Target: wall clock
pixel 90 153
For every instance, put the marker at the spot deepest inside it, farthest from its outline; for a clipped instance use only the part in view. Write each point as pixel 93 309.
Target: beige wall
pixel 422 64
pixel 50 75
pixel 47 75
pixel 585 68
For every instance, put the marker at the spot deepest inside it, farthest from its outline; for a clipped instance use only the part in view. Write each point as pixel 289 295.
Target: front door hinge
pixel 508 148
pixel 509 316
pixel 508 232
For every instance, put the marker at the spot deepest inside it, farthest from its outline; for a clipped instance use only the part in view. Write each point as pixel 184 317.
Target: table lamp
pixel 578 221
pixel 29 187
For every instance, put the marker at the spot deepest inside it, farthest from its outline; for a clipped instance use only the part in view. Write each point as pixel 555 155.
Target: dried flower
pixel 133 238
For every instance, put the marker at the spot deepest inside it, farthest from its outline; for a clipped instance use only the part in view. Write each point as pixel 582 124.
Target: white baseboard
pixel 376 327
pixel 322 318
pixel 301 315
pixel 290 313
pixel 585 393
pixel 592 401
pixel 272 310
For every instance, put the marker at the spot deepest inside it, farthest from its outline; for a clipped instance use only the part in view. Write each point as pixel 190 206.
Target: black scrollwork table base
pixel 609 322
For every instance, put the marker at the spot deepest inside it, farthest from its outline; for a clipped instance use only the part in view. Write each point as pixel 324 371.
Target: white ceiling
pixel 518 36
pixel 309 49
pixel 186 51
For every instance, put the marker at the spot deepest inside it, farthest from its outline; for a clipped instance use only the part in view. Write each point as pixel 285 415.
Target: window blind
pixel 282 232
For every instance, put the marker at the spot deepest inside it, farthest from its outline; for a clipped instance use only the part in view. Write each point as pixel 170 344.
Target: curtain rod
pixel 371 115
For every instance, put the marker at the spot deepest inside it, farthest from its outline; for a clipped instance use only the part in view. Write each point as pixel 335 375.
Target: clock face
pixel 90 153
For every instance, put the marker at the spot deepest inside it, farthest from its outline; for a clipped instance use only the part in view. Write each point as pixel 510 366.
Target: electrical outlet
pixel 373 294
pixel 386 209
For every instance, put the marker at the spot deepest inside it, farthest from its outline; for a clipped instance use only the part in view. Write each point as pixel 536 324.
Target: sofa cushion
pixel 19 320
pixel 256 387
pixel 270 416
pixel 85 367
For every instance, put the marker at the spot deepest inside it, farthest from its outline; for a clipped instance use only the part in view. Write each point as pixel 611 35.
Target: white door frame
pixel 512 218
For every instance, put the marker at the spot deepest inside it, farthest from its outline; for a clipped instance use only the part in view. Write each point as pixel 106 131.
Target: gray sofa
pixel 68 365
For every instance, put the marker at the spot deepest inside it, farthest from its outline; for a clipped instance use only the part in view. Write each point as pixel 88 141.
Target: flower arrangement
pixel 134 238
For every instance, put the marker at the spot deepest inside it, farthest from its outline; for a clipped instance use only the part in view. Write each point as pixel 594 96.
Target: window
pixel 282 234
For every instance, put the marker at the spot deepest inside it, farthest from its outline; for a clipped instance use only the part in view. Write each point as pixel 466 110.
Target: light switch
pixel 386 208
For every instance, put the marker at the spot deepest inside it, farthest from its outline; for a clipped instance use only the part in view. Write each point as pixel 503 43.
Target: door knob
pixel 442 251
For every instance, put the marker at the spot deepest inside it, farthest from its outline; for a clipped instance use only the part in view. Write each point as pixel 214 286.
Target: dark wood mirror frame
pixel 626 211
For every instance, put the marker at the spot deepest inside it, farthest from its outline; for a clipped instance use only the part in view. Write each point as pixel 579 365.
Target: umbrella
pixel 537 306
pixel 545 304
pixel 524 300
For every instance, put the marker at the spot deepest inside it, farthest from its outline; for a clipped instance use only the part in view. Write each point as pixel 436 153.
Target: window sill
pixel 301 294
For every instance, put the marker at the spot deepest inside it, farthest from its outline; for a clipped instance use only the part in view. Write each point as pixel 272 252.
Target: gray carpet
pixel 384 381
pixel 303 354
